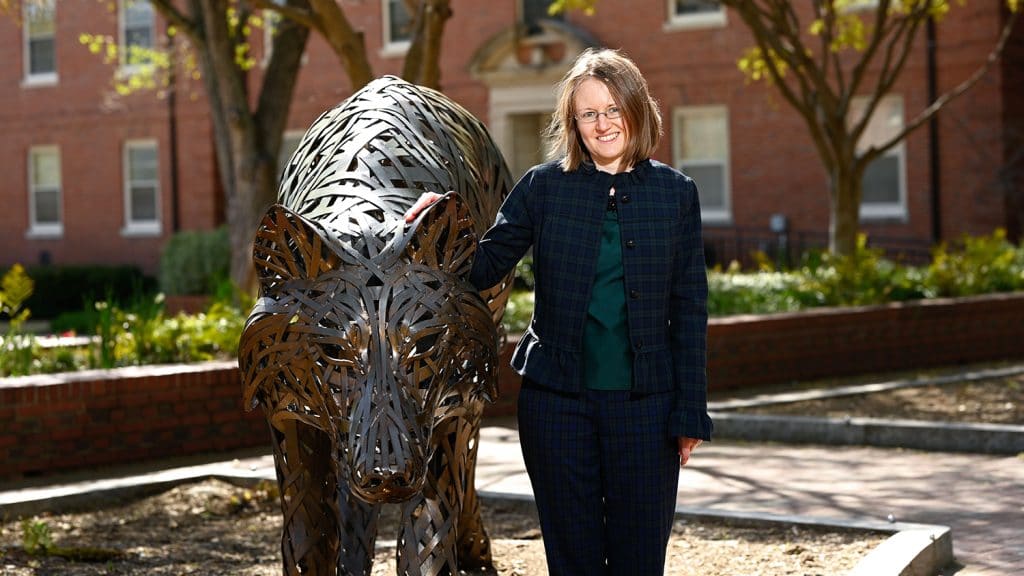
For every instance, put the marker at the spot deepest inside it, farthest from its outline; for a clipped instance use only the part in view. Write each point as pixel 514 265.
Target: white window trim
pixel 894 210
pixel 124 68
pixel 388 48
pixel 48 230
pixel 710 215
pixel 30 80
pixel 146 227
pixel 693 21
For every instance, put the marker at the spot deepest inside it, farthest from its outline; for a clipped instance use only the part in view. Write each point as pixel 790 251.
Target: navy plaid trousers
pixel 604 468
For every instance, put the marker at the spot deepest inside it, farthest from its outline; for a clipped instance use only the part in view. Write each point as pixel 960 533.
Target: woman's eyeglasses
pixel 590 116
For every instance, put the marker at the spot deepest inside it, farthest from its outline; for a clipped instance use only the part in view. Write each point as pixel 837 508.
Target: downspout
pixel 172 129
pixel 934 168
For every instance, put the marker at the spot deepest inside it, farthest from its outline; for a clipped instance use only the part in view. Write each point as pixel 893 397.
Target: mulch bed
pixel 216 528
pixel 995 401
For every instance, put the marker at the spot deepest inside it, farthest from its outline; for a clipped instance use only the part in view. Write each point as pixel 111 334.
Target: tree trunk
pixel 423 60
pixel 344 40
pixel 255 190
pixel 246 141
pixel 843 226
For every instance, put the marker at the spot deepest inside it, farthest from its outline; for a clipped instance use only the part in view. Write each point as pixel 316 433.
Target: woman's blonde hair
pixel 629 90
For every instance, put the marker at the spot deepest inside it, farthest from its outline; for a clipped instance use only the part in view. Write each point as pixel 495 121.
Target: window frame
pixel 30 78
pixel 140 227
pixel 673 21
pixel 889 210
pixel 717 214
pixel 389 47
pixel 47 229
pixel 122 35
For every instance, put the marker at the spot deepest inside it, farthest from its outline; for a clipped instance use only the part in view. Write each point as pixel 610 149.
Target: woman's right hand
pixel 425 200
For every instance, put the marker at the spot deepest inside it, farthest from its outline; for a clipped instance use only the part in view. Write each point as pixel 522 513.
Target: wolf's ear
pixel 287 247
pixel 443 236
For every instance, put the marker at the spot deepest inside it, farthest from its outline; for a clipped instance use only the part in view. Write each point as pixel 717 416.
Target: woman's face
pixel 605 138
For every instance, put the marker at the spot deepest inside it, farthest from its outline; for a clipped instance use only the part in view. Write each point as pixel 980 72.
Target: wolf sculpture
pixel 370 353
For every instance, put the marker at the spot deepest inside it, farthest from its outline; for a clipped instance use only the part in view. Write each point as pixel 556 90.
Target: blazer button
pixel 634 294
pixel 625 198
pixel 630 243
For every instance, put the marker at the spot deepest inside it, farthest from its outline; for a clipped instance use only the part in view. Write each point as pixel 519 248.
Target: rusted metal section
pixel 370 353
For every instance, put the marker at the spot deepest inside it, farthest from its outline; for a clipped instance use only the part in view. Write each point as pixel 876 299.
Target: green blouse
pixel 607 354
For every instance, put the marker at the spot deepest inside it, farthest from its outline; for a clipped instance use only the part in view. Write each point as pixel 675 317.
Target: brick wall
pixel 71 421
pixel 62 422
pixel 757 350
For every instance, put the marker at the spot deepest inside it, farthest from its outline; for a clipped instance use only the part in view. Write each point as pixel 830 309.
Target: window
pixel 141 188
pixel 694 14
pixel 884 185
pixel 289 144
pixel 136 32
pixel 40 54
pixel 44 182
pixel 701 150
pixel 397 27
pixel 535 10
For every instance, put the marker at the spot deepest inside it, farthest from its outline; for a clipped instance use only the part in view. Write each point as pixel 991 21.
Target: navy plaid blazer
pixel 560 215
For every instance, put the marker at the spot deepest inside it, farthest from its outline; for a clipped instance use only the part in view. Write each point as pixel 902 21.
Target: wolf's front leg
pixel 308 483
pixel 358 531
pixel 473 545
pixel 427 544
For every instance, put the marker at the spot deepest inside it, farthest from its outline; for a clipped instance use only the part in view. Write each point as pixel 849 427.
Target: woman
pixel 614 395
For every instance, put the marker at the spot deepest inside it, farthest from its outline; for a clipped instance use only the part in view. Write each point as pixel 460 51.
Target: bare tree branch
pixel 957 91
pixel 302 16
pixel 344 40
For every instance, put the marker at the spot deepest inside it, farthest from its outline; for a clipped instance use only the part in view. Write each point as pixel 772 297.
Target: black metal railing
pixel 750 246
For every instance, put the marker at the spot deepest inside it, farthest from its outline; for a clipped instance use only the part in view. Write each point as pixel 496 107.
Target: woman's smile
pixel 601 126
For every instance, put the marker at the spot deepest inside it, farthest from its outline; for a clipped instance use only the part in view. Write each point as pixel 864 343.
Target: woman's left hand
pixel 686 446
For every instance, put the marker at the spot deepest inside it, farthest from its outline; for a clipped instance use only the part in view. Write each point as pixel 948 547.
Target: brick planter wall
pixel 71 421
pixel 62 422
pixel 774 348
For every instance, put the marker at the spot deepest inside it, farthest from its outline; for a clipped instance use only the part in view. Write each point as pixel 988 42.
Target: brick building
pixel 91 177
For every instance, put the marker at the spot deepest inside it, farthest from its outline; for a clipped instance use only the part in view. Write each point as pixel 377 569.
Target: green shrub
pixel 864 277
pixel 731 292
pixel 36 538
pixel 524 274
pixel 82 321
pixel 16 349
pixel 60 289
pixel 195 262
pixel 983 265
pixel 518 311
